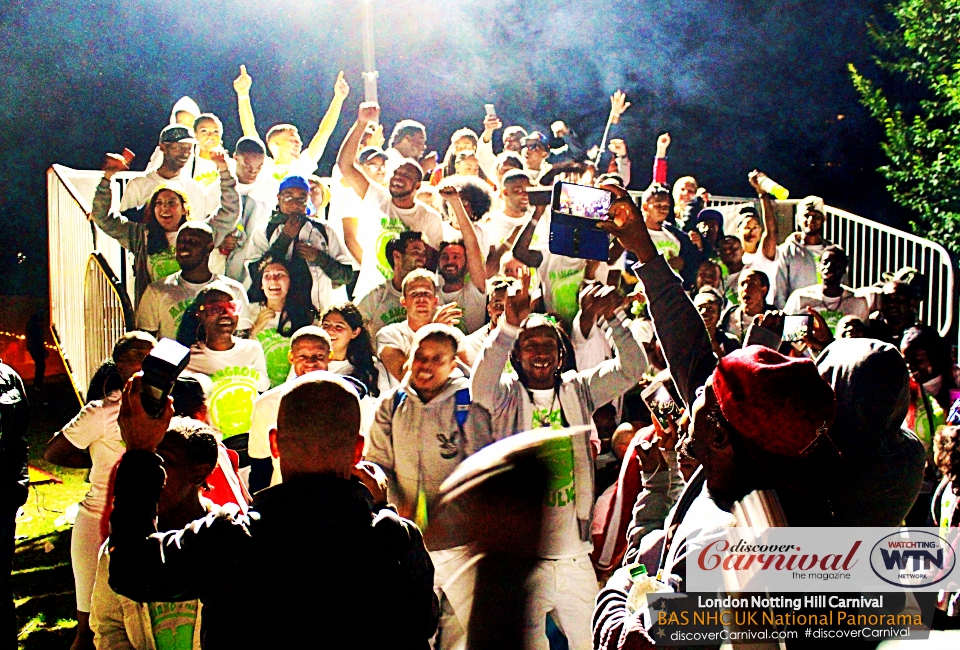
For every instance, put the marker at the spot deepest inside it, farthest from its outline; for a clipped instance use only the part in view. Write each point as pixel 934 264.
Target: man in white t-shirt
pixel 381 306
pixel 396 203
pixel 309 350
pixel 283 140
pixel 457 259
pixel 655 206
pixel 176 145
pixel 500 229
pixel 164 302
pixel 419 298
pixel 760 237
pixel 830 297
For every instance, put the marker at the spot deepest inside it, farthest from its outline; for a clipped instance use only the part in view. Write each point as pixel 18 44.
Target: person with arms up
pixel 92 439
pixel 165 301
pixel 539 395
pixel 497 288
pixel 152 241
pixel 189 452
pixel 461 258
pixel 176 144
pixel 283 140
pixel 759 235
pixel 352 543
pixel 397 202
pixel 501 228
pixel 423 429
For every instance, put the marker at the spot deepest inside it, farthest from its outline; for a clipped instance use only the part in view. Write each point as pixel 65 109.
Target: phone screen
pixel 539 195
pixel 582 201
pixel 661 403
pixel 796 327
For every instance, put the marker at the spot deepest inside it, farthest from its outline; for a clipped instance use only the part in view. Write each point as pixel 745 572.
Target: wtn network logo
pixel 912 559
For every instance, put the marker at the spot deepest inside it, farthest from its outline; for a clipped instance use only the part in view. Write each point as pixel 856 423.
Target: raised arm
pixel 485 156
pixel 475 266
pixel 242 86
pixel 680 330
pixel 353 175
pixel 521 249
pixel 126 232
pixel 768 241
pixel 329 122
pixel 660 162
pixel 224 220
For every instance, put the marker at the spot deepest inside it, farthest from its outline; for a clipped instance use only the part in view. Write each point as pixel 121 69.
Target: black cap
pixel 369 153
pixel 177 133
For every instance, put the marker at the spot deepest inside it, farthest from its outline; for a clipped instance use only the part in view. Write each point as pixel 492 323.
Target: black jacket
pixel 14 420
pixel 311 565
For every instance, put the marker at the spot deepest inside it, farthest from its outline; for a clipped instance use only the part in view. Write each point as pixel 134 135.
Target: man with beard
pixel 396 205
pixel 536 396
pixel 409 142
pixel 829 297
pixel 799 255
pixel 760 420
pixel 382 306
pixel 164 302
pixel 457 258
pixel 420 300
pixel 176 145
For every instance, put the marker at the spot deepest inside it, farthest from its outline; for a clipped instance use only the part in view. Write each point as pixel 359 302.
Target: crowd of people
pixel 354 339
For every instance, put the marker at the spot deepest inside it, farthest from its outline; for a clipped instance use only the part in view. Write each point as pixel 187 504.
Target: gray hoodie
pixel 884 462
pixel 419 445
pixel 797 267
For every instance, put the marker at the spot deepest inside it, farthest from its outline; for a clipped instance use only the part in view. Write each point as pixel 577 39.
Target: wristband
pixel 242 97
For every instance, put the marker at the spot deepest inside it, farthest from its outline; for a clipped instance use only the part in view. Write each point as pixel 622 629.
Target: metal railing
pixel 88 308
pixel 874 249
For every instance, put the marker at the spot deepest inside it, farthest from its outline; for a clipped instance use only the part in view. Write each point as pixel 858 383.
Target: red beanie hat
pixel 779 404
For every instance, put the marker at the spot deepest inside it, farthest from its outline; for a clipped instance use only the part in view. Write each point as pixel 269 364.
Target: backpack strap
pixel 462 408
pixel 398 398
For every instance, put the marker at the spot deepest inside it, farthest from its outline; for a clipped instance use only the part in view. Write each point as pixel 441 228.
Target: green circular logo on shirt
pixel 558 456
pixel 390 228
pixel 275 349
pixel 231 402
pixel 565 292
pixel 163 264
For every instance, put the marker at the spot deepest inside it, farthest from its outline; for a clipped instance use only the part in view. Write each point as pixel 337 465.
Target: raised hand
pixel 449 314
pixel 449 193
pixel 517 303
pixel 341 88
pixel 242 83
pixel 219 157
pixel 307 252
pixel 618 103
pixel 626 222
pixel 559 129
pixel 754 178
pixel 663 143
pixel 376 138
pixel 115 162
pixel 491 123
pixel 138 430
pixel 618 147
pixel 368 112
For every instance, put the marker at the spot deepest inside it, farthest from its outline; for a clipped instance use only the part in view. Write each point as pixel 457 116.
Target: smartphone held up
pixel 575 212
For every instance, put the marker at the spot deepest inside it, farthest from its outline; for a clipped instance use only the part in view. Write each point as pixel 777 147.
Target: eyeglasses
pixel 302 200
pixel 229 307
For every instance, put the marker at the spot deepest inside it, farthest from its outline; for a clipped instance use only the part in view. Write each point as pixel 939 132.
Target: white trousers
pixel 568 588
pixel 85 545
pixel 453 580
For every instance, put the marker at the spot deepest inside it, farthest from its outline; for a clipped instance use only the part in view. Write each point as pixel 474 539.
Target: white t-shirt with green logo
pixel 238 375
pixel 665 242
pixel 163 264
pixel 832 309
pixel 560 511
pixel 275 346
pixel 164 302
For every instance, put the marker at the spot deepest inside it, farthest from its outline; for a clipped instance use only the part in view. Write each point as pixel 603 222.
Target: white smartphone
pixel 491 111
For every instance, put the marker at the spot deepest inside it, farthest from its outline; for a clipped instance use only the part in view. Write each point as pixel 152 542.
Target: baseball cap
pixel 177 133
pixel 369 153
pixel 537 138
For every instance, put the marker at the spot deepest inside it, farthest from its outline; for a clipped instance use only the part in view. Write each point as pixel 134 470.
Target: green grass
pixel 42 576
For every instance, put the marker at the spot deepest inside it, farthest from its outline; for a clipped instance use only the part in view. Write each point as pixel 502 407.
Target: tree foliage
pixel 921 53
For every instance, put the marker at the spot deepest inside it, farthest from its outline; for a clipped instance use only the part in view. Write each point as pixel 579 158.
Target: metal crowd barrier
pixel 89 309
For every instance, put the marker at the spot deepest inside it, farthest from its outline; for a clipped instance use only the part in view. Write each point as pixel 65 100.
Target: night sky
pixel 738 85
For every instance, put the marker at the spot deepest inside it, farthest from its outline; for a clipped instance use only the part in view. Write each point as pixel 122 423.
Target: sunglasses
pixel 228 307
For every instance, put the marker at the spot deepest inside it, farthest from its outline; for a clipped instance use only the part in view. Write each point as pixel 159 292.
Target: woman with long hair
pixel 153 240
pixel 352 353
pixel 278 309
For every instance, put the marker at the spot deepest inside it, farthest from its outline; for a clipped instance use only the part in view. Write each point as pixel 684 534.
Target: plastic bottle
pixel 770 186
pixel 643 584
